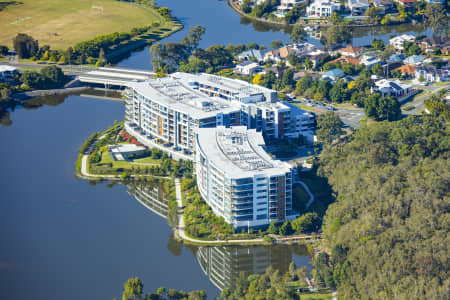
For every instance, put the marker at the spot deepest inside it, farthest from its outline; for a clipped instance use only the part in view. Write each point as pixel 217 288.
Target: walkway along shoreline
pixel 181 234
pixel 179 229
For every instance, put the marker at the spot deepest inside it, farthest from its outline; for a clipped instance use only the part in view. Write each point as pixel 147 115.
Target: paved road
pixel 350 117
pixel 70 69
pixel 418 102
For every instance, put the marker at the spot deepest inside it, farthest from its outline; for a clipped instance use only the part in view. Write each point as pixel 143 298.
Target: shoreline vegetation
pixel 273 283
pixel 96 50
pixel 196 221
pixel 395 15
pixel 322 22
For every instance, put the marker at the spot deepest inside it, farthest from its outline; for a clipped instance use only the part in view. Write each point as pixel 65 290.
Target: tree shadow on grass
pixel 5 4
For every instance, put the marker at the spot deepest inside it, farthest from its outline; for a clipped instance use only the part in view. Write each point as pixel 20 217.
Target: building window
pixel 261 217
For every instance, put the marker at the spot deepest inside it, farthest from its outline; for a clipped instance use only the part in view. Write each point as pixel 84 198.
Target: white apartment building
pixel 239 180
pixel 398 41
pixel 172 108
pixel 170 111
pixel 322 8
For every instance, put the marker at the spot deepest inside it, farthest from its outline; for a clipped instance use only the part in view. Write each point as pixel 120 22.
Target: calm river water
pixel 65 238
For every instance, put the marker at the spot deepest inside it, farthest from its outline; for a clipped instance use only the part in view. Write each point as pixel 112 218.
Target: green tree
pixel 298 34
pixel 308 63
pixel 25 46
pixel 287 81
pixel 336 35
pixel 32 79
pixel 303 84
pixel 194 37
pixel 273 227
pixel 53 76
pixel 3 50
pixel 286 228
pixel 276 44
pixel 306 223
pixel 246 6
pixel 329 127
pixel 377 44
pixel 132 289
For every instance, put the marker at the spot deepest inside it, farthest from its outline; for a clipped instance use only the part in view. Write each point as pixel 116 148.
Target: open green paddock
pixel 63 23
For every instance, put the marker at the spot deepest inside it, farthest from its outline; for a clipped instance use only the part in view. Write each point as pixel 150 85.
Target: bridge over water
pixel 117 77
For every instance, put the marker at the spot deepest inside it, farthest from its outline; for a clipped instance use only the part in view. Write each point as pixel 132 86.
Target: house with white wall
pixel 322 8
pixel 398 41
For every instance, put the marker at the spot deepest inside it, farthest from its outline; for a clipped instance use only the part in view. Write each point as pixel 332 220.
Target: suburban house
pixel 322 8
pixel 357 7
pixel 429 44
pixel 250 54
pixel 370 60
pixel 387 5
pixel 317 57
pixel 302 49
pixel 395 88
pixel 279 54
pixel 351 51
pixel 287 5
pixel 7 73
pixel 276 69
pixel 398 57
pixel 414 60
pixel 333 74
pixel 247 68
pixel 431 74
pixel 347 59
pixel 406 70
pixel 445 50
pixel 408 4
pixel 398 41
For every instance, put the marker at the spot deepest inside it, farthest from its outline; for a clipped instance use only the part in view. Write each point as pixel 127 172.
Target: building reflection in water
pixel 223 264
pixel 152 196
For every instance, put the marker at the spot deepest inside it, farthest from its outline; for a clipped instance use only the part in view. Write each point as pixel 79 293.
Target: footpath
pixel 84 173
pixel 180 232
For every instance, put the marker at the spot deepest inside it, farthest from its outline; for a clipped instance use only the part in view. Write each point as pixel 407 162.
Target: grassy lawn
pixel 316 296
pixel 63 23
pixel 320 189
pixel 305 107
pixel 106 158
pixel 299 198
pixel 147 160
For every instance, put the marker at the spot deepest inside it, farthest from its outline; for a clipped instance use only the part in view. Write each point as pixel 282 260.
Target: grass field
pixel 140 162
pixel 63 23
pixel 304 107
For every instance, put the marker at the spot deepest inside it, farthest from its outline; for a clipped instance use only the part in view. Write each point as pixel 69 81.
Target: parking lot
pixel 350 117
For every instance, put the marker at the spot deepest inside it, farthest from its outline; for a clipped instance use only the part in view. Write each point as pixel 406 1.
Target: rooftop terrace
pixel 176 94
pixel 238 151
pixel 239 88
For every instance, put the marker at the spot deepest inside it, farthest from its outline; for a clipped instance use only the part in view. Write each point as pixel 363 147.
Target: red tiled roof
pixel 347 59
pixel 351 49
pixel 406 69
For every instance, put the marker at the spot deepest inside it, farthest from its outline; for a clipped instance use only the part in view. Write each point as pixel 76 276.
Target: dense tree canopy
pixel 25 46
pixel 388 229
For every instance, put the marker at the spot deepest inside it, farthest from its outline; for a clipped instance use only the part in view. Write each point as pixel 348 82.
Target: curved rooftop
pixel 238 151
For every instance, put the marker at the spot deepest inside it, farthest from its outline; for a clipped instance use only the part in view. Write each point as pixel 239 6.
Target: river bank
pixel 322 22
